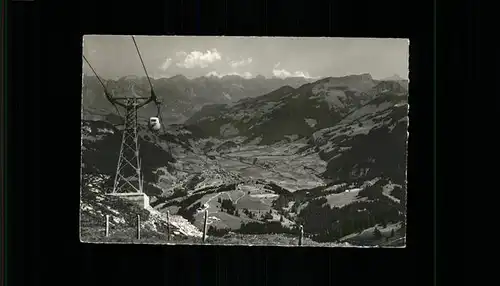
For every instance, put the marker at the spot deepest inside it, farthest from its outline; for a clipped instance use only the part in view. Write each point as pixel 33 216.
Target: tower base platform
pixel 141 199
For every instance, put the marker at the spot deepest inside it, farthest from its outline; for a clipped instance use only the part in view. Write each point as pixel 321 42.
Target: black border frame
pixel 48 55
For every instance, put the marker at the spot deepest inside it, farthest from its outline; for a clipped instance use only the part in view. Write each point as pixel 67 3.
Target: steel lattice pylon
pixel 128 178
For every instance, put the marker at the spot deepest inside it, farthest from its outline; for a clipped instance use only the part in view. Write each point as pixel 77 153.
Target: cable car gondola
pixel 154 124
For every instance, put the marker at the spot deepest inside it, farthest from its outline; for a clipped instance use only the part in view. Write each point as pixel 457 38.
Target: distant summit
pixel 129 77
pixel 178 77
pixel 394 77
pixel 350 78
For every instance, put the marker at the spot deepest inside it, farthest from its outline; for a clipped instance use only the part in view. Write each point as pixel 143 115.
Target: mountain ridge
pixel 323 103
pixel 181 96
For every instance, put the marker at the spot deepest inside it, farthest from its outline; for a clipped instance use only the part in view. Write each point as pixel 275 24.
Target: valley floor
pixel 278 163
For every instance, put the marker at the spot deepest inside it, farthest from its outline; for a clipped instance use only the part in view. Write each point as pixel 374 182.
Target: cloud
pixel 244 75
pixel 235 64
pixel 166 64
pixel 198 59
pixel 282 73
pixel 181 54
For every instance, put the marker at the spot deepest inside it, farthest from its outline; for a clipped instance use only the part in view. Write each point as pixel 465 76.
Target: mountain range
pixel 329 155
pixel 181 97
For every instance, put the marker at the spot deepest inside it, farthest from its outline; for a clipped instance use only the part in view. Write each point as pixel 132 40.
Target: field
pixel 344 198
pixel 246 199
pixel 278 164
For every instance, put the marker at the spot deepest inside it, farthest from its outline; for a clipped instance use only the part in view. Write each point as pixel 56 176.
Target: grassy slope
pixel 129 236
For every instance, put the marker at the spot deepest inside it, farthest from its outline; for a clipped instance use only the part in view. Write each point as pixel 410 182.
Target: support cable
pixel 98 77
pixel 108 96
pixel 153 95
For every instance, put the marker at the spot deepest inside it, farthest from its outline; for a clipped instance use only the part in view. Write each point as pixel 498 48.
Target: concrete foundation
pixel 141 199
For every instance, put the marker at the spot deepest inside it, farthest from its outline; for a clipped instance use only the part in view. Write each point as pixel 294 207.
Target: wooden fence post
pixel 107 225
pixel 138 227
pixel 205 226
pixel 168 225
pixel 301 234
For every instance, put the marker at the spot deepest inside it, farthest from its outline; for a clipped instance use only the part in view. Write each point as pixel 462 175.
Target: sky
pixel 166 56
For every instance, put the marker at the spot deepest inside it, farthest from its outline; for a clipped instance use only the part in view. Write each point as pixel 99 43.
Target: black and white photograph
pixel 271 141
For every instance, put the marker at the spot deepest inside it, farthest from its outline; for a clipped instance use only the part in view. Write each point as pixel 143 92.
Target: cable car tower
pixel 128 177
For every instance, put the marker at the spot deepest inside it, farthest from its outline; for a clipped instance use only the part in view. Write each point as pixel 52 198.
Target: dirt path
pixel 206 205
pixel 228 195
pixel 386 191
